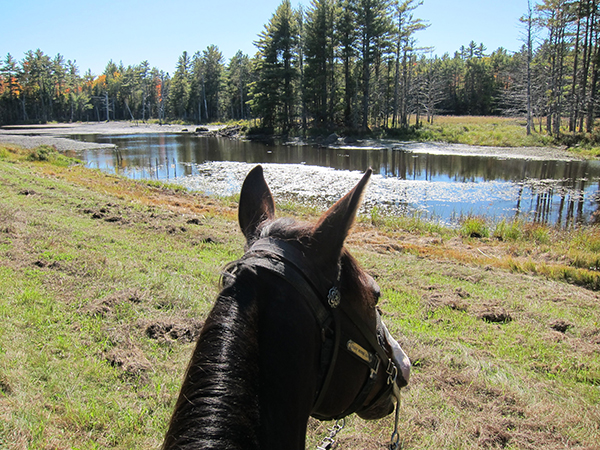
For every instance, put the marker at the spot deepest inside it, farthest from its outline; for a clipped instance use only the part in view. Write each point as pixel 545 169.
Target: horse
pixel 295 332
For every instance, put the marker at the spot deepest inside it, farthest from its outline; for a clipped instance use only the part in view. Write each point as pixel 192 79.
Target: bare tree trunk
pixel 574 93
pixel 366 78
pixel 397 74
pixel 529 57
pixel 591 107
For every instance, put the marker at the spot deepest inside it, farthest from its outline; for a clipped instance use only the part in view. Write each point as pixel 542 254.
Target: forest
pixel 351 65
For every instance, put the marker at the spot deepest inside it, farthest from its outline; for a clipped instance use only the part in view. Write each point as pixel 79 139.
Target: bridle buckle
pixel 392 372
pixel 375 370
pixel 333 297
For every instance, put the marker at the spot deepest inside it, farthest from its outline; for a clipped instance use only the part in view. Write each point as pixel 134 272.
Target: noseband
pixel 323 297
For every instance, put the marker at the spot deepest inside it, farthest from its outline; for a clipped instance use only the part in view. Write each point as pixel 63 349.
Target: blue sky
pixel 131 31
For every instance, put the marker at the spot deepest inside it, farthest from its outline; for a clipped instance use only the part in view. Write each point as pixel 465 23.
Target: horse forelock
pixel 354 280
pixel 286 229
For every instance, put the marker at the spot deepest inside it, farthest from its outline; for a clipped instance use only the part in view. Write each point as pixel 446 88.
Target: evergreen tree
pixel 212 82
pixel 274 93
pixel 10 91
pixel 346 40
pixel 319 49
pixel 238 81
pixel 374 29
pixel 179 92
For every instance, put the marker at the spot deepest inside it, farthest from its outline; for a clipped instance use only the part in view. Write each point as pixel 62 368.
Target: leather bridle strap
pixel 290 264
pixel 366 332
pixel 373 361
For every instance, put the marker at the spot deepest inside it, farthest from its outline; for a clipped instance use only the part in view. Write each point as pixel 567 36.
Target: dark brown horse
pixel 295 332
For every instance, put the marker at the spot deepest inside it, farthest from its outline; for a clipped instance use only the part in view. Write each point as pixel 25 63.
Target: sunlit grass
pixel 486 131
pixel 496 131
pixel 42 153
pixel 476 383
pixel 474 227
pixel 412 223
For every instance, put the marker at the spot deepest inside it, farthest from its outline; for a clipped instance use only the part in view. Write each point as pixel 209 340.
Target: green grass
pixel 487 131
pixel 474 227
pixel 412 223
pixel 63 390
pixel 496 132
pixel 79 289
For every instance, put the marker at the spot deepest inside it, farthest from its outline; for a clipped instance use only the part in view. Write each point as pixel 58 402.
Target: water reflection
pixel 434 185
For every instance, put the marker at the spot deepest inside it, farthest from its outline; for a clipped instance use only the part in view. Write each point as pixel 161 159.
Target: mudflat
pixel 57 135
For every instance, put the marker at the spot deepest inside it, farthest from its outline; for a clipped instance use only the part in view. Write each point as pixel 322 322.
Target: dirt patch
pixel 106 213
pixel 492 435
pixel 181 330
pixel 494 314
pixel 560 325
pixel 106 305
pixel 5 387
pixel 453 300
pixel 129 358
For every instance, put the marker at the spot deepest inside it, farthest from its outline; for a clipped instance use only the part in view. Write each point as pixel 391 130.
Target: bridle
pixel 285 260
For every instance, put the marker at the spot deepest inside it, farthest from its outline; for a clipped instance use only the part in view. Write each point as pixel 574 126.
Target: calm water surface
pixel 424 182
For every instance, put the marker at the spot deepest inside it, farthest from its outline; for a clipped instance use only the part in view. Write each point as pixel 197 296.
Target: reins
pixel 323 297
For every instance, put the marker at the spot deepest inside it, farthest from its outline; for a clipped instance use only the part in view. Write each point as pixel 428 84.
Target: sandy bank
pixel 30 136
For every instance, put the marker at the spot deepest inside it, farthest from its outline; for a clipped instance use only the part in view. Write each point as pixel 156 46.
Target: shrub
pixel 509 230
pixel 474 227
pixel 42 153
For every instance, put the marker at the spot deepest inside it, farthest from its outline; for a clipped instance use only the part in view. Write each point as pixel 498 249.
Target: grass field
pixel 499 131
pixel 105 282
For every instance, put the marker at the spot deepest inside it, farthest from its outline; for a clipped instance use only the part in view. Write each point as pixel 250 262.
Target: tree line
pixel 336 64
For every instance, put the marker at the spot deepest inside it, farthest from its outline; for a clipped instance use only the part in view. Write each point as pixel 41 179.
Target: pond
pixel 427 180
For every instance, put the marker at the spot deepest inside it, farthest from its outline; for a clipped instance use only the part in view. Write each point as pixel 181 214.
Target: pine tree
pixel 346 40
pixel 212 81
pixel 374 28
pixel 180 88
pixel 319 56
pixel 238 81
pixel 10 91
pixel 275 92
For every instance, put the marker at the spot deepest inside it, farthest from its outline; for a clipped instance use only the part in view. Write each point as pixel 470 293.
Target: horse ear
pixel 256 203
pixel 330 232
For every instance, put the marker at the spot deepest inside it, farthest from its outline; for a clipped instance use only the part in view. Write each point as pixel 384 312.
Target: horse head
pixel 322 245
pixel 295 332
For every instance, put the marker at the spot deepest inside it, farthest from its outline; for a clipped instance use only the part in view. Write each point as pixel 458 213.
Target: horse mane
pixel 218 406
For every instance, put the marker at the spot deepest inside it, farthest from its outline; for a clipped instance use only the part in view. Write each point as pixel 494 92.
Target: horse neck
pixel 218 404
pixel 237 397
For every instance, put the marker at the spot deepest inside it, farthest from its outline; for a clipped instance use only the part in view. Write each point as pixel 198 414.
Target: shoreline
pixel 57 135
